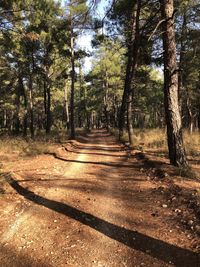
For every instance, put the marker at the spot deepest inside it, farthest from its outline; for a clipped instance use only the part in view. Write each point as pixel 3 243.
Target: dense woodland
pixel 145 68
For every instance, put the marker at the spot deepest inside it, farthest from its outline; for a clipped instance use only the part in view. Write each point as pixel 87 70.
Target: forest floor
pixel 95 203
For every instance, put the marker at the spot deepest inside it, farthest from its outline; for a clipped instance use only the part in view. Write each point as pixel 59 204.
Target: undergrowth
pixel 188 172
pixel 156 139
pixel 41 144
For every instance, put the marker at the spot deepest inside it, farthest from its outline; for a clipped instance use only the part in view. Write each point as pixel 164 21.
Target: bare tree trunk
pixel 25 118
pixel 5 118
pixel 72 123
pixel 133 46
pixel 31 106
pixel 173 119
pixel 66 106
pixel 106 111
pixel 45 97
pixel 48 122
pixel 17 109
pixel 182 54
pixel 122 113
pixel 198 119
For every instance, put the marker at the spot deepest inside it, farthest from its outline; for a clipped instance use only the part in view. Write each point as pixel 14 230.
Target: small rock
pixel 178 211
pixel 164 206
pixel 190 222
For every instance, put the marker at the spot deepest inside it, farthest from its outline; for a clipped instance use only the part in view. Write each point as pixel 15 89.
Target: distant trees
pixel 187 20
pixel 106 82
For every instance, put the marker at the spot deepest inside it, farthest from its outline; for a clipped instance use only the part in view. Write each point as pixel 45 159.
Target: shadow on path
pixel 156 248
pixel 96 154
pixel 109 164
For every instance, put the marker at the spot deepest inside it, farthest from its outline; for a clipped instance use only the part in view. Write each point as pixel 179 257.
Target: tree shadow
pixel 11 258
pixel 96 154
pixel 100 148
pixel 156 248
pixel 149 164
pixel 109 164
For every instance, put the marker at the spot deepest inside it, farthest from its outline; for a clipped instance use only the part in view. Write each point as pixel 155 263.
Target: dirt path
pixel 88 205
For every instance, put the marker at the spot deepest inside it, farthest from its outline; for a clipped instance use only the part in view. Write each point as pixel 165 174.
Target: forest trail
pixel 88 205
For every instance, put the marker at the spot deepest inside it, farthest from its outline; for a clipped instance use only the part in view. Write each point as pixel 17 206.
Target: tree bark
pixel 17 103
pixel 182 53
pixel 31 106
pixel 48 122
pixel 173 119
pixel 72 123
pixel 25 118
pixel 5 118
pixel 106 110
pixel 66 106
pixel 133 48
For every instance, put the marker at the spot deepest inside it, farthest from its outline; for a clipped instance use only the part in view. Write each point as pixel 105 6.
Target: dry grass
pixel 42 144
pixel 156 139
pixel 21 147
pixel 192 143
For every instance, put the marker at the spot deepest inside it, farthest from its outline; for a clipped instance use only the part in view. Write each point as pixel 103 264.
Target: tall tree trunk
pixel 31 106
pixel 106 111
pixel 182 53
pixel 48 122
pixel 122 113
pixel 66 105
pixel 173 119
pixel 133 48
pixel 72 123
pixel 17 109
pixel 25 118
pixel 45 97
pixel 198 117
pixel 5 118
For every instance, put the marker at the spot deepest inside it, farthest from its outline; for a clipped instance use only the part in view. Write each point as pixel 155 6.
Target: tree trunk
pixel 25 118
pixel 48 122
pixel 17 109
pixel 45 97
pixel 182 54
pixel 31 106
pixel 106 110
pixel 5 118
pixel 72 123
pixel 66 106
pixel 198 118
pixel 173 119
pixel 122 112
pixel 133 47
